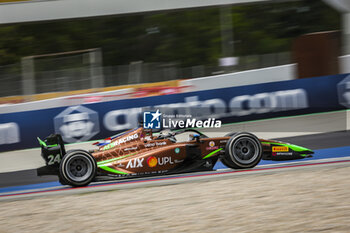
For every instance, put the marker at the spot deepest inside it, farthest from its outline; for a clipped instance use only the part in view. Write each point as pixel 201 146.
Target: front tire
pixel 243 150
pixel 77 168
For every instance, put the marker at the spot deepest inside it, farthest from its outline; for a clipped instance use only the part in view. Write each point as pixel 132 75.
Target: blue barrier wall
pixel 235 104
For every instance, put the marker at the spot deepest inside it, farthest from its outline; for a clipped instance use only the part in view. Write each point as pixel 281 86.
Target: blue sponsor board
pixel 233 104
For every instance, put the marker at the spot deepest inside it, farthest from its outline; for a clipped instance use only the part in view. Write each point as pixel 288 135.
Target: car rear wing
pixel 52 151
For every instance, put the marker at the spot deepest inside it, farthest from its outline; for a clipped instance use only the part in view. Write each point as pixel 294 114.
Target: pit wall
pixel 78 123
pixel 249 77
pixel 257 76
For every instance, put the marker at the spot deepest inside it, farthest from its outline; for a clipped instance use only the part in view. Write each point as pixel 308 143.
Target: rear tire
pixel 225 163
pixel 77 168
pixel 62 182
pixel 243 150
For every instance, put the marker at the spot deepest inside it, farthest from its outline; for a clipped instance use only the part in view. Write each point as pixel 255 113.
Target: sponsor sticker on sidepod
pixel 280 149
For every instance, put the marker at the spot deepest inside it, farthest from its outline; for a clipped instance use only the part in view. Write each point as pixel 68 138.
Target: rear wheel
pixel 243 150
pixel 62 182
pixel 77 168
pixel 225 163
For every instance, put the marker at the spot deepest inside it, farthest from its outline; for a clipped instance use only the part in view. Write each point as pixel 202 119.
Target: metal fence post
pixel 346 33
pixel 96 70
pixel 135 72
pixel 28 77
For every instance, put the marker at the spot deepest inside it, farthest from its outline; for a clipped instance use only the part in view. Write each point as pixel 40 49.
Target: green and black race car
pixel 137 153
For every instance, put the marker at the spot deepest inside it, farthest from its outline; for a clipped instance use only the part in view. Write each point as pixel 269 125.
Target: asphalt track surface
pixel 315 142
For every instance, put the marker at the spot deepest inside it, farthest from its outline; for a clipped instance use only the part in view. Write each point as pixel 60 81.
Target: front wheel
pixel 243 150
pixel 77 168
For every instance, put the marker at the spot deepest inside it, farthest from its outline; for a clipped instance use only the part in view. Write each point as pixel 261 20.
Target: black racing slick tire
pixel 225 163
pixel 77 168
pixel 243 150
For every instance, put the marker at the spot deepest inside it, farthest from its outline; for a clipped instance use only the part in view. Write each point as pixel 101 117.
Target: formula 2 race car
pixel 137 153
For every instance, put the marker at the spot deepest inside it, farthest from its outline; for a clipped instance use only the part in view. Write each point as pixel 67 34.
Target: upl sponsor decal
pixel 153 161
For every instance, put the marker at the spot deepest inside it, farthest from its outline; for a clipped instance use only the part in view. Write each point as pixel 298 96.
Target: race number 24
pixel 54 159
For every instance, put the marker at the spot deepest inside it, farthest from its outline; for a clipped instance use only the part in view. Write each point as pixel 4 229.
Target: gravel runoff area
pixel 308 200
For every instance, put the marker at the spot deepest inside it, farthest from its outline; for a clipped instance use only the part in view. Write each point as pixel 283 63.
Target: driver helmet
pixel 193 136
